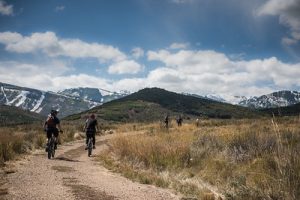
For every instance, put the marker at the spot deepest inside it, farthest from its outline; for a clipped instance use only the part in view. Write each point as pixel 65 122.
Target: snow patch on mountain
pixel 226 98
pixel 20 99
pixel 38 103
pixel 3 92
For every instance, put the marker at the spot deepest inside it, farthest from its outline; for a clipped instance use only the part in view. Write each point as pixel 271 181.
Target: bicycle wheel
pixel 53 151
pixel 90 147
pixel 50 149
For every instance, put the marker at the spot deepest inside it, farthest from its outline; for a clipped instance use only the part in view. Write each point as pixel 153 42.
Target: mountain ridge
pixel 152 104
pixel 276 99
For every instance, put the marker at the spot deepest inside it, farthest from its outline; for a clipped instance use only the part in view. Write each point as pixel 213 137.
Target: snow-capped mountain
pixel 235 100
pixel 94 94
pixel 73 101
pixel 273 100
pixel 276 99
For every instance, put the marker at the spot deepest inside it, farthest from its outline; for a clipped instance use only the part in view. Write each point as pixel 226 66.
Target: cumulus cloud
pixel 289 15
pixel 179 45
pixel 38 76
pixel 125 67
pixel 49 44
pixel 6 9
pixel 52 77
pixel 209 71
pixel 201 72
pixel 137 52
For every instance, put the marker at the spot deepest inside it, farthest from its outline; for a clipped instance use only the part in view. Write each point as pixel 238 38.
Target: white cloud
pixel 200 72
pixel 38 76
pixel 209 71
pixel 6 9
pixel 51 45
pixel 51 77
pixel 10 37
pixel 59 8
pixel 125 67
pixel 179 45
pixel 289 15
pixel 137 52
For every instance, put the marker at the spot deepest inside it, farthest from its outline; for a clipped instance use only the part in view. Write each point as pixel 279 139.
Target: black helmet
pixel 54 112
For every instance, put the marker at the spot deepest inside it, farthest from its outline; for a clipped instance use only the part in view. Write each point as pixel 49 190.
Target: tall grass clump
pixel 10 145
pixel 157 152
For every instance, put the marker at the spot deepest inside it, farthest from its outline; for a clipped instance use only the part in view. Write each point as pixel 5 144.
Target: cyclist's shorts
pixel 52 130
pixel 90 133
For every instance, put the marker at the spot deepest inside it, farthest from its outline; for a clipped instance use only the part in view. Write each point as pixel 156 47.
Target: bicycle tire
pixel 49 153
pixel 90 146
pixel 51 150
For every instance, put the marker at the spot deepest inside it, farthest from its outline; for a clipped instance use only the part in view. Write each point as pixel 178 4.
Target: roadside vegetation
pixel 21 139
pixel 232 159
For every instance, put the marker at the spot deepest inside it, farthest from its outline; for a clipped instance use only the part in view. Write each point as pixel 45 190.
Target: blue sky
pixel 235 47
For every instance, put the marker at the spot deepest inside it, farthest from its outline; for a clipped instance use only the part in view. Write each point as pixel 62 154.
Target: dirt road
pixel 74 175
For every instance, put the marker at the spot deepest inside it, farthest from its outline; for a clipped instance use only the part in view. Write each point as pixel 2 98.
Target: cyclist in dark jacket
pixel 90 127
pixel 52 126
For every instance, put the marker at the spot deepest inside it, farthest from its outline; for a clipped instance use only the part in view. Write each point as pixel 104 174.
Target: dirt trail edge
pixel 74 175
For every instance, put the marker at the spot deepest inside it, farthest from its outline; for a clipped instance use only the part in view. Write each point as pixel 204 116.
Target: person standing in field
pixel 179 120
pixel 197 122
pixel 166 121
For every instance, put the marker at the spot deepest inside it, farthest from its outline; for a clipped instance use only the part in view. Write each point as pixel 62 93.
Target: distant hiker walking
pixel 166 121
pixel 197 122
pixel 90 127
pixel 179 120
pixel 50 126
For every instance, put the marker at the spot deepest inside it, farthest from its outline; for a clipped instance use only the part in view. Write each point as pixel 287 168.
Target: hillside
pixel 189 104
pixel 292 110
pixel 10 115
pixel 153 103
pixel 129 111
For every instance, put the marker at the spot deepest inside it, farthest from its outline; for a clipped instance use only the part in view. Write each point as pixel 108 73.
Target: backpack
pixel 51 122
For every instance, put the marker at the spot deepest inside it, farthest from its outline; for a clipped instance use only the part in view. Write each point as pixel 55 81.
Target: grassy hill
pixel 10 115
pixel 152 104
pixel 292 110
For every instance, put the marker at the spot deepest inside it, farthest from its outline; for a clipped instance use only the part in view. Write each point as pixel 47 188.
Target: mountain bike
pixel 51 147
pixel 90 145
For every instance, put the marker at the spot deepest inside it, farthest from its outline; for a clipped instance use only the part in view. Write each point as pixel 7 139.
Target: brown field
pixel 232 159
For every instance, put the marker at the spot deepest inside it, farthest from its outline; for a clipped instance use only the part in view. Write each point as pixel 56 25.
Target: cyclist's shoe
pixel 86 147
pixel 94 147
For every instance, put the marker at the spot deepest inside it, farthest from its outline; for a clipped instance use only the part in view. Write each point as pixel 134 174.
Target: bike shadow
pixel 66 159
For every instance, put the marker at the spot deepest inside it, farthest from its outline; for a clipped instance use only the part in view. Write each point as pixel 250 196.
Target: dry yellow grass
pixel 240 159
pixel 24 138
